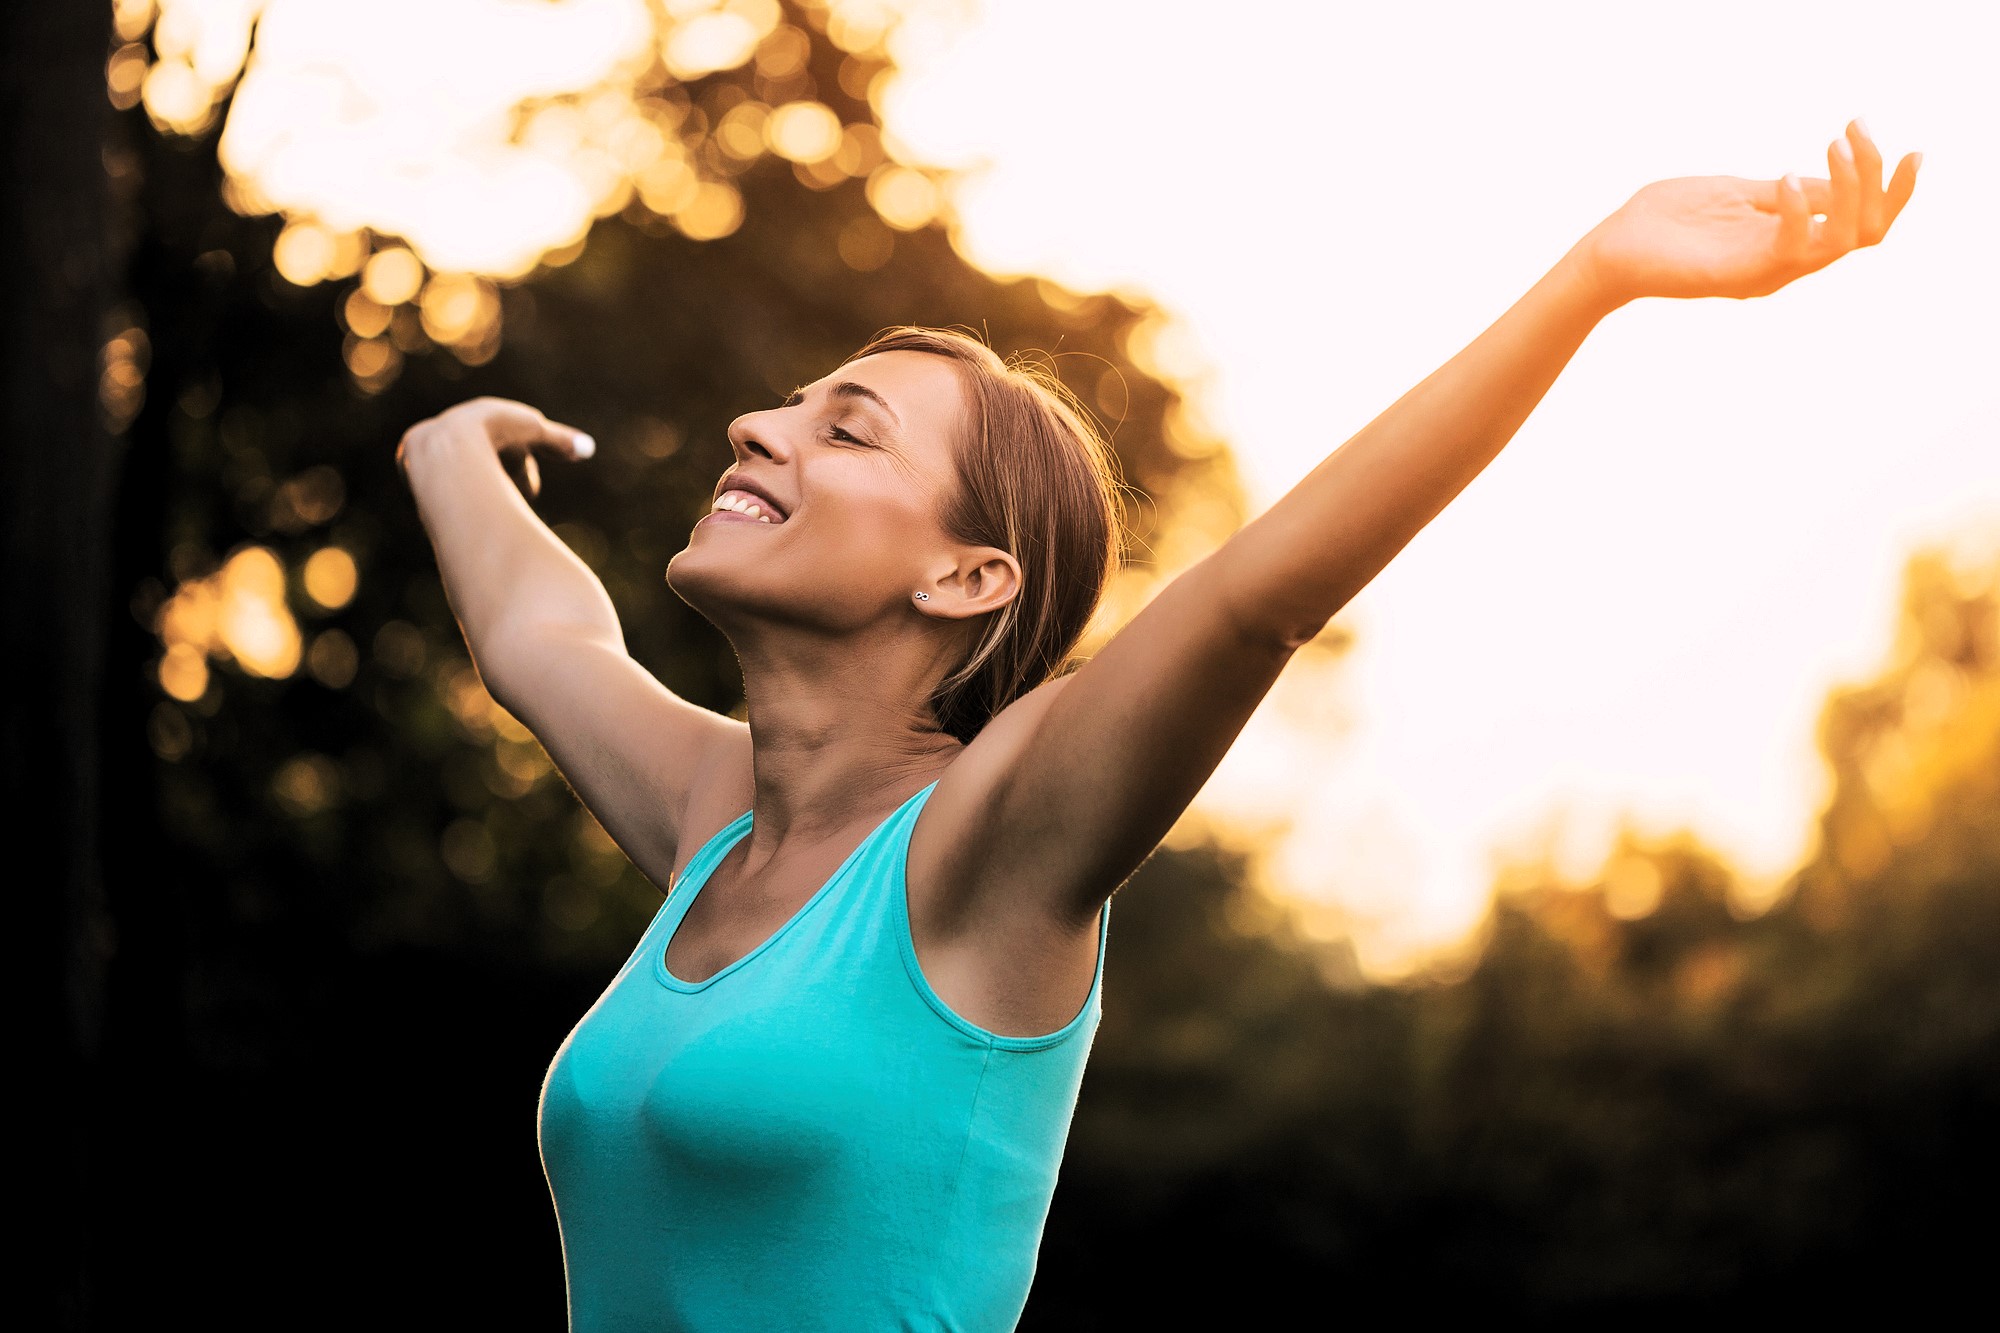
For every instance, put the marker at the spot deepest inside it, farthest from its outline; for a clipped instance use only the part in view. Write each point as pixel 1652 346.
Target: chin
pixel 689 581
pixel 717 586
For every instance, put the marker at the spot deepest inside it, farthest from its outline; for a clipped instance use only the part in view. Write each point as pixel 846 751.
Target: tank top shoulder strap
pixel 708 854
pixel 674 905
pixel 889 890
pixel 888 846
pixel 877 865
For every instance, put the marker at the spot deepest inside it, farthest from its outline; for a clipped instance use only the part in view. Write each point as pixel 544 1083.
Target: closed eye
pixel 798 396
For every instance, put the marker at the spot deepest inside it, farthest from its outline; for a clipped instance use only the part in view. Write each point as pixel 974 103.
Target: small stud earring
pixel 923 597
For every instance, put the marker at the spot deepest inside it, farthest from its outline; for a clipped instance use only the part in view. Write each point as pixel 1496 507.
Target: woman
pixel 831 1086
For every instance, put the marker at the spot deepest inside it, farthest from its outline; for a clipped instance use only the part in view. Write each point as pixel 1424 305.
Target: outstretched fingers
pixel 515 430
pixel 517 425
pixel 1901 184
pixel 1842 231
pixel 1862 209
pixel 1870 222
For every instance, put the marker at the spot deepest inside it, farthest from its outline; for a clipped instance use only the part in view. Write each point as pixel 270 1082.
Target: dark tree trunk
pixel 60 464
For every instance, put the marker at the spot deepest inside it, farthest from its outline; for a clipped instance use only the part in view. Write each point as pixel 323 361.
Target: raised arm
pixel 1304 559
pixel 542 630
pixel 1099 764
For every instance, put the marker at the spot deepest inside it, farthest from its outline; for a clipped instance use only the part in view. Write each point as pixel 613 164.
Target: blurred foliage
pixel 325 743
pixel 1639 1096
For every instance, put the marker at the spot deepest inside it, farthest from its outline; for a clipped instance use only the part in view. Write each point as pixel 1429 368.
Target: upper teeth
pixel 743 503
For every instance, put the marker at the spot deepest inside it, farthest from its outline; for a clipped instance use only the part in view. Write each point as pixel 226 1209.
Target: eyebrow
pixel 849 389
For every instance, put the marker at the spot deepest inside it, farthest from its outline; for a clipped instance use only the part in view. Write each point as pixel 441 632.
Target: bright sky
pixel 1640 606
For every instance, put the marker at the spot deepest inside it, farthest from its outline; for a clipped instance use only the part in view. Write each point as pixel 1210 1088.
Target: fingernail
pixel 1916 161
pixel 1862 125
pixel 1844 148
pixel 585 446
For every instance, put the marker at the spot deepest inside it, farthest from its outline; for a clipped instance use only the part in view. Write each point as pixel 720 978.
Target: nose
pixel 758 433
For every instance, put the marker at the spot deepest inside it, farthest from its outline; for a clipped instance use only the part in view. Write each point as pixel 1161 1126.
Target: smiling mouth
pixel 745 504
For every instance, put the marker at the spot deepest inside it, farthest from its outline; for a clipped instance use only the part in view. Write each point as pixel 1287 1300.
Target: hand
pixel 511 428
pixel 1727 236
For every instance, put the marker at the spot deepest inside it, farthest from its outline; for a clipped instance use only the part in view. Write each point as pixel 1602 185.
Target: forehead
pixel 926 393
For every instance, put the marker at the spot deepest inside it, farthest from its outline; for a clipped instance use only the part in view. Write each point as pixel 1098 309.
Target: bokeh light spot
pixel 254 623
pixel 392 276
pixel 905 198
pixel 458 308
pixel 804 131
pixel 169 732
pixel 331 577
pixel 715 211
pixel 865 244
pixel 304 253
pixel 468 852
pixel 306 784
pixel 184 672
pixel 123 74
pixel 709 42
pixel 333 659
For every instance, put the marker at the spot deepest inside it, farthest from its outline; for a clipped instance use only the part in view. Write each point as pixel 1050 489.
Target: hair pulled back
pixel 1037 480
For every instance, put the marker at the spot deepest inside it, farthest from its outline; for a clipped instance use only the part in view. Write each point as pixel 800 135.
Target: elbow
pixel 500 669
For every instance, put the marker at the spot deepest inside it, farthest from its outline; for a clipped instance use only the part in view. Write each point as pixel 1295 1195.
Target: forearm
pixel 505 573
pixel 1289 570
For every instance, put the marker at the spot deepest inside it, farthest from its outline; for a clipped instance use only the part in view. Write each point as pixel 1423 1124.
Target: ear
pixel 985 579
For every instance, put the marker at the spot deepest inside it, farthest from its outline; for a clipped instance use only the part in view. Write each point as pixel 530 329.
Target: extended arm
pixel 1100 763
pixel 1289 570
pixel 544 634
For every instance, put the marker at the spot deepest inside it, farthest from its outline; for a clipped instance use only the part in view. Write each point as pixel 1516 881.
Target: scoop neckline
pixel 726 839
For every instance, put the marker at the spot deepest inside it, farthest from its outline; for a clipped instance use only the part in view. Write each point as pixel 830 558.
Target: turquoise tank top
pixel 810 1138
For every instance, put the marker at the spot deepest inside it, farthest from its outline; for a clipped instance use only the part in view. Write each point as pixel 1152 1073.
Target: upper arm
pixel 633 750
pixel 1085 775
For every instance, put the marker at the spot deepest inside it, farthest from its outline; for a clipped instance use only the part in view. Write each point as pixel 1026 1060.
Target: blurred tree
pixel 1642 1097
pixel 61 254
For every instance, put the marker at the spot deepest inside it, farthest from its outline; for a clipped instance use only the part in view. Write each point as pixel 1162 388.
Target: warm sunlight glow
pixel 487 136
pixel 1637 611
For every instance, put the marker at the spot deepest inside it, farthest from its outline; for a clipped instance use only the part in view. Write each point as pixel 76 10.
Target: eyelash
pixel 835 431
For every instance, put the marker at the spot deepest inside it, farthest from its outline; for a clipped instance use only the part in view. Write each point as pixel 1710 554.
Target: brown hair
pixel 1037 480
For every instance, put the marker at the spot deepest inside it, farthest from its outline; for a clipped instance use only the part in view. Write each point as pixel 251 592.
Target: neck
pixel 839 727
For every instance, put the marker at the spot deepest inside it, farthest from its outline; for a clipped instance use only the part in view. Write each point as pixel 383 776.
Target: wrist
pixel 1581 276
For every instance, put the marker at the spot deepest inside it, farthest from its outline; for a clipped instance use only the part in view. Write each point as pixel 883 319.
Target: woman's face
pixel 860 464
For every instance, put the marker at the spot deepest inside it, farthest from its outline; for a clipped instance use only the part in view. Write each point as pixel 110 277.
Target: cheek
pixel 873 530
